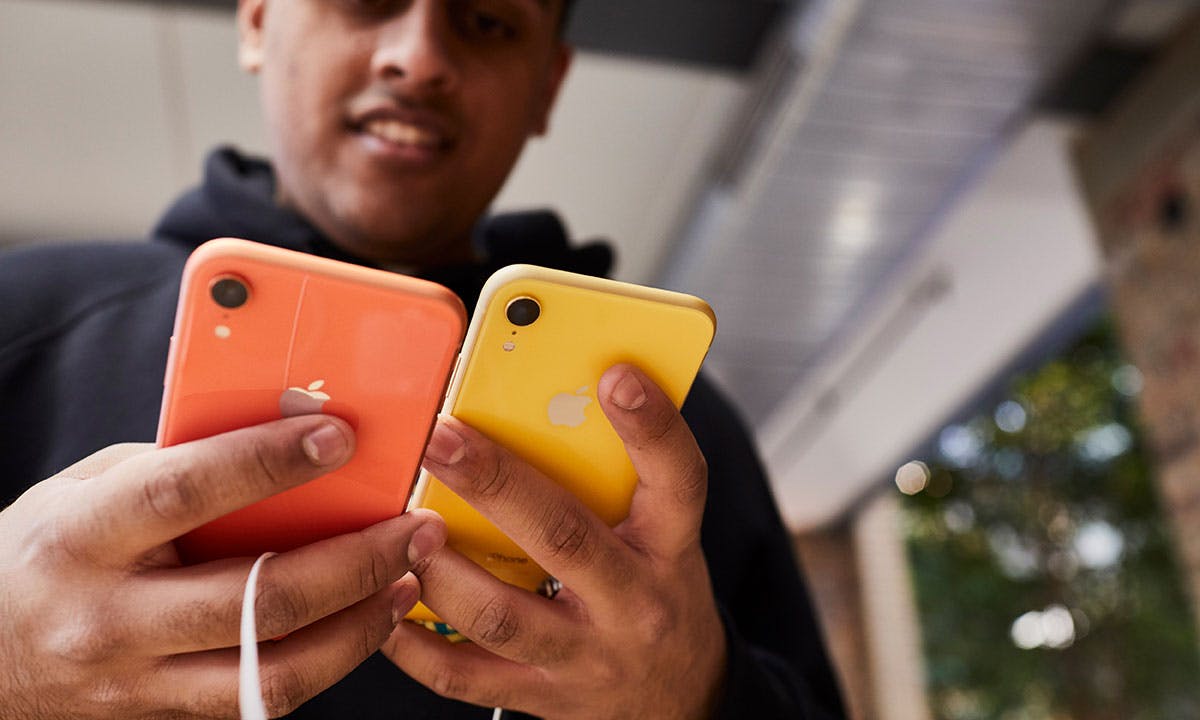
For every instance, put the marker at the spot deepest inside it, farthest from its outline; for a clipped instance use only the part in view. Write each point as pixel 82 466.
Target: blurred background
pixel 953 246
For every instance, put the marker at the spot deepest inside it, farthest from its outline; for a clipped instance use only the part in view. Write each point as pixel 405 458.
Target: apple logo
pixel 298 401
pixel 567 410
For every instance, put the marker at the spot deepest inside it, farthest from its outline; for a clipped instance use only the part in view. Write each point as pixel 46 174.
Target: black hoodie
pixel 84 331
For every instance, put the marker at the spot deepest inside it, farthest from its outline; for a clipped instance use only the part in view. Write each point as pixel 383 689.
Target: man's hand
pixel 634 633
pixel 98 619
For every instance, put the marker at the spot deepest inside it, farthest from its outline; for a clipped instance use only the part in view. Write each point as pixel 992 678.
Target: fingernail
pixel 628 393
pixel 325 445
pixel 446 447
pixel 425 541
pixel 406 596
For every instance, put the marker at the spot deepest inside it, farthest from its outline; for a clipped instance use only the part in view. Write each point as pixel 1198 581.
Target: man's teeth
pixel 401 133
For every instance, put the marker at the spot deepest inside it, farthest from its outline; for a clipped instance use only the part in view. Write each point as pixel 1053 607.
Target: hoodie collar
pixel 237 199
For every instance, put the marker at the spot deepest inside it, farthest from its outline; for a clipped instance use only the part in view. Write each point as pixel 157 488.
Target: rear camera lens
pixel 230 293
pixel 523 311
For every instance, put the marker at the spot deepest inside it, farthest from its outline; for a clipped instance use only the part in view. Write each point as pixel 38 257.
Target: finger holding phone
pixel 99 619
pixel 634 633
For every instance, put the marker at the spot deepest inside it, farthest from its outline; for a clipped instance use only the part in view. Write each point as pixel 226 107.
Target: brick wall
pixel 1140 170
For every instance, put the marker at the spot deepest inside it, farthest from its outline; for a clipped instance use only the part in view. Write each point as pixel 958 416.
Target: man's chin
pixel 405 249
pixel 415 224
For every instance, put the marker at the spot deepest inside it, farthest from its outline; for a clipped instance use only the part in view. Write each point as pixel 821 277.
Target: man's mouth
pixel 403 134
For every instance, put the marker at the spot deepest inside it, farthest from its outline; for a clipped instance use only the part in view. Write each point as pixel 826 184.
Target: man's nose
pixel 414 48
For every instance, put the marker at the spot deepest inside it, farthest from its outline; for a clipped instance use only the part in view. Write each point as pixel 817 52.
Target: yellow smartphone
pixel 535 350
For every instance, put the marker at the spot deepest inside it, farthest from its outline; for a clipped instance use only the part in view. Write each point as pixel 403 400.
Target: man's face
pixel 393 123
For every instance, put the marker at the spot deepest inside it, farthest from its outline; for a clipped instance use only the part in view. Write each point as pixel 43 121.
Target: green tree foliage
pixel 1046 505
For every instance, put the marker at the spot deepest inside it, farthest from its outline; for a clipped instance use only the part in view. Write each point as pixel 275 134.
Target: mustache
pixel 420 103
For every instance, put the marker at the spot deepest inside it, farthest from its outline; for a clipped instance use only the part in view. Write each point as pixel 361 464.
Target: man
pixel 393 125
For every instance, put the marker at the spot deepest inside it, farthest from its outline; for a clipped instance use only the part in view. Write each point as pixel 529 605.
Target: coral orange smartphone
pixel 538 343
pixel 262 333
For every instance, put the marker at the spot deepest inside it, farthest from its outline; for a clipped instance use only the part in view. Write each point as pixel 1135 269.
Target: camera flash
pixel 222 331
pixel 510 346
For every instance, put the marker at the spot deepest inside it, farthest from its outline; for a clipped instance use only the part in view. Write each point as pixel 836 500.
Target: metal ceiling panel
pixel 885 130
pixel 724 34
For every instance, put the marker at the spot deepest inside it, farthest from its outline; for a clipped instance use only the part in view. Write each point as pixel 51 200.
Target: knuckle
pixel 654 622
pixel 278 610
pixel 567 536
pixel 450 682
pixel 422 566
pixel 496 624
pixel 660 424
pixel 283 689
pixel 607 668
pixel 370 637
pixel 84 640
pixel 374 572
pixel 267 462
pixel 172 494
pixel 693 485
pixel 221 702
pixel 49 542
pixel 497 481
pixel 60 531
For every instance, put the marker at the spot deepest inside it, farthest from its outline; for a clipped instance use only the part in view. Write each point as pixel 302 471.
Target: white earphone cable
pixel 250 702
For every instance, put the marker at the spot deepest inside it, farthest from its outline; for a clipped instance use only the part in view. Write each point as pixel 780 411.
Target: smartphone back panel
pixel 313 335
pixel 532 389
